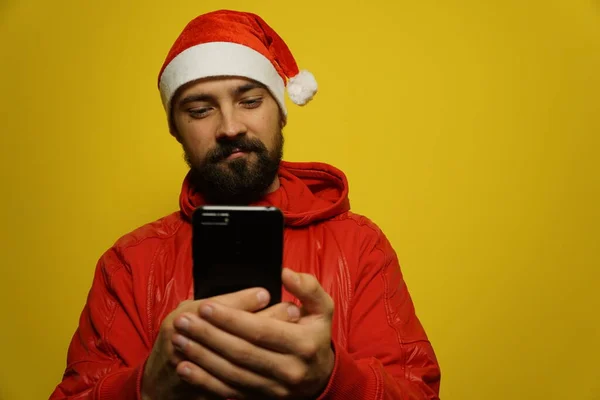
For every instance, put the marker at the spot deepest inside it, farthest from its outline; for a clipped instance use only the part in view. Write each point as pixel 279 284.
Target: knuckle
pixel 186 305
pixel 236 376
pixel 271 312
pixel 228 393
pixel 259 335
pixel 278 311
pixel 314 288
pixel 167 328
pixel 281 311
pixel 330 305
pixel 309 349
pixel 244 356
pixel 280 392
pixel 194 353
pixel 311 283
pixel 197 376
pixel 234 299
pixel 174 359
pixel 228 318
pixel 198 329
pixel 295 376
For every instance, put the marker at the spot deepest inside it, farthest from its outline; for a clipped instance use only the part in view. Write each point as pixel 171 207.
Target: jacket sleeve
pixel 107 352
pixel 388 354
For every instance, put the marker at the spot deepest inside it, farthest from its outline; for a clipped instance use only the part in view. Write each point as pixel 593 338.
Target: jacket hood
pixel 308 192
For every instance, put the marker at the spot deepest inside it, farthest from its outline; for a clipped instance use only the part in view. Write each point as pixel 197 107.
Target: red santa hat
pixel 233 43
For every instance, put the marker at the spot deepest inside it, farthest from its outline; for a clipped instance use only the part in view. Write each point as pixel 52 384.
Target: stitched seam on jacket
pixel 358 221
pixel 350 290
pixel 387 313
pixel 150 318
pixel 378 380
pixel 364 222
pixel 119 249
pixel 139 241
pixel 113 315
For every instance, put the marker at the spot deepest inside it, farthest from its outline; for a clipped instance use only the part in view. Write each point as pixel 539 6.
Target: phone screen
pixel 236 248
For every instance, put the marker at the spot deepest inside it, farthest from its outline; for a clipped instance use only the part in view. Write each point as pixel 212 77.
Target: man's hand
pixel 160 380
pixel 254 355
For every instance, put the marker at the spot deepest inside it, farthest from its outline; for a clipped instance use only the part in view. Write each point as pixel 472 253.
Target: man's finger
pixel 219 344
pixel 266 333
pixel 250 300
pixel 308 290
pixel 199 378
pixel 287 311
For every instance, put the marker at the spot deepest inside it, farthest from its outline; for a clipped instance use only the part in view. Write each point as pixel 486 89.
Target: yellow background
pixel 468 130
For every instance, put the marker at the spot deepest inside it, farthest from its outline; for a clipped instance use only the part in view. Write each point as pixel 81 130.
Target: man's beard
pixel 239 181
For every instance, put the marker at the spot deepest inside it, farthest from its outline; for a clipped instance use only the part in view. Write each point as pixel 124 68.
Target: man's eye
pixel 252 103
pixel 199 112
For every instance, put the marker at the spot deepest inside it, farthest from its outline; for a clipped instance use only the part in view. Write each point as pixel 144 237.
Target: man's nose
pixel 231 124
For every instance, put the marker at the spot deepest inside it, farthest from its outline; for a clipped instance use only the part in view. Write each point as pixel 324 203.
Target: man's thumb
pixel 308 290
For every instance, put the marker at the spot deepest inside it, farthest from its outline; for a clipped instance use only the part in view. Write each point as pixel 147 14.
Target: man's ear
pixel 173 131
pixel 172 128
pixel 282 119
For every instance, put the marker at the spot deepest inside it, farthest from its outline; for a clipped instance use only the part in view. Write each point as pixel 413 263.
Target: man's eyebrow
pixel 196 97
pixel 202 97
pixel 247 87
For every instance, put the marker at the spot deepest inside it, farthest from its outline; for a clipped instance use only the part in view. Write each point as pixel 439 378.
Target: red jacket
pixel 381 349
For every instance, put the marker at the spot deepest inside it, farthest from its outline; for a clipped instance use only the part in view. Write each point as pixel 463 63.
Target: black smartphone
pixel 235 248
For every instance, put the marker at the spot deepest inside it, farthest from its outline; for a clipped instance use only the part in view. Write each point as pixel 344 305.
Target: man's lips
pixel 237 153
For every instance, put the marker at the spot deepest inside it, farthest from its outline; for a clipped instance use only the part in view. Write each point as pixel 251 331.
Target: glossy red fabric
pixel 382 351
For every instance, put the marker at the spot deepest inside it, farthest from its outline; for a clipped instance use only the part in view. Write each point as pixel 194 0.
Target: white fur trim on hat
pixel 220 59
pixel 302 87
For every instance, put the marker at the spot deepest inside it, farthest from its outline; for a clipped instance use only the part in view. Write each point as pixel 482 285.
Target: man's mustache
pixel 224 149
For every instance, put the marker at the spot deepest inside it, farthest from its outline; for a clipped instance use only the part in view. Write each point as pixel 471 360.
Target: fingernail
pixel 182 323
pixel 293 312
pixel 262 296
pixel 186 371
pixel 179 341
pixel 206 311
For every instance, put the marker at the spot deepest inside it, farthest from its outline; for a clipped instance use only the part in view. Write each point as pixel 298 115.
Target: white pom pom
pixel 302 87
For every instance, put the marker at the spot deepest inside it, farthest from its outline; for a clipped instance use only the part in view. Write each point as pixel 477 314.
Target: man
pixel 141 337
